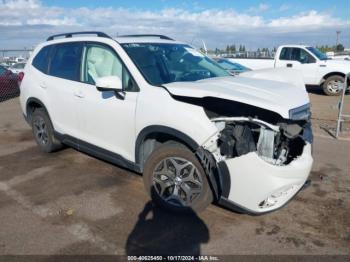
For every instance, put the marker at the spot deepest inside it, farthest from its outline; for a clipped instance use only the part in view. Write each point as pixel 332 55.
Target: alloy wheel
pixel 40 130
pixel 334 86
pixel 177 181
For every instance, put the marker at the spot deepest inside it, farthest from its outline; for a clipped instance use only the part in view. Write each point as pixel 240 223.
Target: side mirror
pixel 109 83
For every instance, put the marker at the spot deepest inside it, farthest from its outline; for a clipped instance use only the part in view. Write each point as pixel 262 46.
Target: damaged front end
pixel 276 144
pixel 263 164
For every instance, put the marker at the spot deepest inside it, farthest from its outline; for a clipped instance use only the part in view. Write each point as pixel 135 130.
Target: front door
pixel 299 59
pixel 107 119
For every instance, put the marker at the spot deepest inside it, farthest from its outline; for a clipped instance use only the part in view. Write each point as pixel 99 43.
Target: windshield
pixel 163 63
pixel 317 53
pixel 231 66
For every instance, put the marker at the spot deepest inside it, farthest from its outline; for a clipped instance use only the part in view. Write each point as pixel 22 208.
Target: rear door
pixel 62 86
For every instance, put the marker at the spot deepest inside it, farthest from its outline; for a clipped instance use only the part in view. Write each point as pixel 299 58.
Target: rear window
pixel 41 60
pixel 66 61
pixel 285 53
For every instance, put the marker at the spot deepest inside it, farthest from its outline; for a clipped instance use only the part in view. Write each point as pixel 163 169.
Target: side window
pixel 306 58
pixel 41 60
pixel 285 53
pixel 302 56
pixel 66 61
pixel 102 61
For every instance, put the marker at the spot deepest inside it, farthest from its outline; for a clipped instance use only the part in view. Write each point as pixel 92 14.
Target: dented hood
pixel 275 96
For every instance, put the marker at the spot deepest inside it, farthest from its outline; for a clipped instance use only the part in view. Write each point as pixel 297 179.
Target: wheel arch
pixel 217 173
pixel 32 104
pixel 151 136
pixel 335 73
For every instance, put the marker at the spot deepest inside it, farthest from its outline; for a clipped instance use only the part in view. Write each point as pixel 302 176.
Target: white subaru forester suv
pixel 159 107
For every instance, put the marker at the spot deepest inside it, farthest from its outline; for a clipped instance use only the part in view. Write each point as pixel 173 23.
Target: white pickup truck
pixel 317 69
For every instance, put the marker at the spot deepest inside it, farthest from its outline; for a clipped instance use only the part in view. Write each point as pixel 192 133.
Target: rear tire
pixel 43 131
pixel 175 179
pixel 333 85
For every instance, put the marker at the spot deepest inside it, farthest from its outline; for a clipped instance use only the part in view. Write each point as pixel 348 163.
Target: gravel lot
pixel 325 112
pixel 70 203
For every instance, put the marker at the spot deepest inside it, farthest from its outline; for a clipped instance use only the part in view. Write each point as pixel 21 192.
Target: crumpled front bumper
pixel 257 186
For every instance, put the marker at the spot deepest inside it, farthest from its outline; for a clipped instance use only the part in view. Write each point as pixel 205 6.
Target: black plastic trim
pixel 35 100
pixel 69 35
pixel 96 151
pixel 218 174
pixel 225 179
pixel 149 35
pixel 165 130
pixel 208 163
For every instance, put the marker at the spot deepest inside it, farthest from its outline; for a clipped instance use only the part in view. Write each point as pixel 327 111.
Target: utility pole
pixel 337 42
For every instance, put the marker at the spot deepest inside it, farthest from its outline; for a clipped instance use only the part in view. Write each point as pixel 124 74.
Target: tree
pixel 268 53
pixel 233 48
pixel 339 48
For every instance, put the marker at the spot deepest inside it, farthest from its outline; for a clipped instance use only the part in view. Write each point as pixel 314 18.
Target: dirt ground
pixel 70 203
pixel 325 113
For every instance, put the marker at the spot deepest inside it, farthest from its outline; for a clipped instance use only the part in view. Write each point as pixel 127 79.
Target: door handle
pixel 43 85
pixel 79 94
pixel 289 65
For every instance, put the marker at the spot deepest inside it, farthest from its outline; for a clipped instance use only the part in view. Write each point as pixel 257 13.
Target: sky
pixel 254 23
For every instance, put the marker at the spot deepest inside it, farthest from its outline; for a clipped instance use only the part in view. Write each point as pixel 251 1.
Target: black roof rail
pixel 68 35
pixel 149 35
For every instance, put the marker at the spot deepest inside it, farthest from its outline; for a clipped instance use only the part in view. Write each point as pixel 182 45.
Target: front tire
pixel 43 131
pixel 333 85
pixel 175 179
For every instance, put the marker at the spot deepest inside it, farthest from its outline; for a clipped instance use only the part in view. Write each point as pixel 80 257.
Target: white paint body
pixel 313 73
pixel 282 182
pixel 78 109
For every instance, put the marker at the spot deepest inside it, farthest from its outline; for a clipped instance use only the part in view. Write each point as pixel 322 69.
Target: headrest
pixel 143 57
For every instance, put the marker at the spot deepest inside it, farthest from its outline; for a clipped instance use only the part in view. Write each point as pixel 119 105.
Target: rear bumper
pixel 258 187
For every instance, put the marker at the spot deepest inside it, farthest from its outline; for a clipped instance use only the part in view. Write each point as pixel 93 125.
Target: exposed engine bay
pixel 277 144
pixel 245 128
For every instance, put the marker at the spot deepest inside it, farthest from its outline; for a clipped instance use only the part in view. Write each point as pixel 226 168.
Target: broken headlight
pixel 300 113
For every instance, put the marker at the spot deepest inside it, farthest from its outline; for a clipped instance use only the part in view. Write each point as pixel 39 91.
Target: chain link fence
pixel 9 85
pixel 11 67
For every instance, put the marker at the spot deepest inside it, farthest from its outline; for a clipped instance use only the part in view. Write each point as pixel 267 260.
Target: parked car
pixel 231 67
pixel 5 65
pixel 17 68
pixel 8 84
pixel 159 107
pixel 317 69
